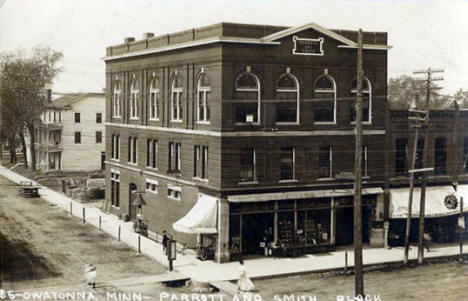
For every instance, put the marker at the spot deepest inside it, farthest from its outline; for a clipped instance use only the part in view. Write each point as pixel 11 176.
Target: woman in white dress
pixel 244 284
pixel 90 272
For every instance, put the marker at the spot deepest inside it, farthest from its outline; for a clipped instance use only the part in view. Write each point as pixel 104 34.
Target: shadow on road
pixel 19 263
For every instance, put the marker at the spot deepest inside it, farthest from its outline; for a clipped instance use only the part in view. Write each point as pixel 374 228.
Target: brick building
pixel 450 175
pixel 246 131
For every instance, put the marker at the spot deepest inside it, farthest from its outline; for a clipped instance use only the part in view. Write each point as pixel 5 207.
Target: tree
pixel 402 91
pixel 461 96
pixel 24 80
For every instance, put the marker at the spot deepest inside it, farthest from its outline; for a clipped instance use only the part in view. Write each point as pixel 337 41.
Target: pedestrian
pixel 244 284
pixel 265 243
pixel 426 241
pixel 165 240
pixel 90 272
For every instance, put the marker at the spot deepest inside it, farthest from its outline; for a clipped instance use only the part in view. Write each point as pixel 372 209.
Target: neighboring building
pixel 450 175
pixel 70 135
pixel 244 131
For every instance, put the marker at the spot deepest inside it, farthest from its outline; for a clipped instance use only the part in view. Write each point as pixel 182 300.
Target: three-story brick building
pixel 246 131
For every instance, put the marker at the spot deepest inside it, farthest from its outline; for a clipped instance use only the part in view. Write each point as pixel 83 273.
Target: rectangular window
pixel 99 137
pixel 176 106
pixel 149 146
pixel 465 155
pixel 77 118
pixel 200 162
pixel 440 156
pixel 326 162
pixel 116 104
pixel 151 154
pixel 203 108
pixel 152 186
pixel 134 105
pixel 420 155
pixel 155 154
pixel 174 193
pixel 401 150
pixel 98 117
pixel 247 165
pixel 115 188
pixel 154 99
pixel 174 156
pixel 132 150
pixel 77 137
pixel 287 163
pixel 117 147
pixel 364 161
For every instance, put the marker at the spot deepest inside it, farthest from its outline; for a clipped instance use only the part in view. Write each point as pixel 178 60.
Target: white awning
pixel 201 218
pixel 274 196
pixel 435 201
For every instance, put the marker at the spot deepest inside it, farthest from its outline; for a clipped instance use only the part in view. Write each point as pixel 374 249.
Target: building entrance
pixel 254 228
pixel 131 197
pixel 345 225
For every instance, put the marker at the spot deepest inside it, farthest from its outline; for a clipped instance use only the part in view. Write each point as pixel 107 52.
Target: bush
pixel 96 193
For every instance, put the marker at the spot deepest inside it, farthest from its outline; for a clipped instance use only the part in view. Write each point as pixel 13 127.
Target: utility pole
pixel 417 118
pixel 456 171
pixel 422 202
pixel 358 273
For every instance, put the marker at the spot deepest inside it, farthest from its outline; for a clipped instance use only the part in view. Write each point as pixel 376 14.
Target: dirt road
pixel 442 281
pixel 41 246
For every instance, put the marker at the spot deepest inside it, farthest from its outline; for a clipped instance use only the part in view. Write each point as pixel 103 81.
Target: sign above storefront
pixel 304 46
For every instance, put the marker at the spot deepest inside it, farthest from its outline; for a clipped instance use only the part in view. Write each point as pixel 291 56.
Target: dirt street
pixel 41 246
pixel 442 281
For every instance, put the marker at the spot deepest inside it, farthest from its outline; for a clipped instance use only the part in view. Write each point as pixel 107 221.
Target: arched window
pixel 366 100
pixel 134 90
pixel 176 102
pixel 248 92
pixel 116 100
pixel 325 100
pixel 287 90
pixel 154 99
pixel 203 94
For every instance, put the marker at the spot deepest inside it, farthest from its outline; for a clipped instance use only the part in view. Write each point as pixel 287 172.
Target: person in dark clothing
pixel 426 241
pixel 165 240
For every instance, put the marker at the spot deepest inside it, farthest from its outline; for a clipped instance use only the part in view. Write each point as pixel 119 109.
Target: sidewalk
pixel 209 271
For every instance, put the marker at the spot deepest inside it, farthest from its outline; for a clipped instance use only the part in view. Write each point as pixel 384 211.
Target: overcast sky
pixel 423 34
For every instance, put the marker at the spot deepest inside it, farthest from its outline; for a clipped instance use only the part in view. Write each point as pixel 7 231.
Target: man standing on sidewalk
pixel 165 240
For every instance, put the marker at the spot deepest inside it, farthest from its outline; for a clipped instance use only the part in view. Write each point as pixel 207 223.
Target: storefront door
pixel 253 230
pixel 131 197
pixel 345 225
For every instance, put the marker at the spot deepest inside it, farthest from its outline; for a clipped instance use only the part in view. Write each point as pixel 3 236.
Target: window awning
pixel 435 201
pixel 201 218
pixel 275 196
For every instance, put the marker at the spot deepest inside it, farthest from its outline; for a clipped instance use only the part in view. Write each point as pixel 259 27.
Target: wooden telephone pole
pixel 422 201
pixel 417 118
pixel 358 273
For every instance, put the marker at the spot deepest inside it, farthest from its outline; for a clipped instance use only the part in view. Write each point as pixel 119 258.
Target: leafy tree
pixel 403 90
pixel 24 79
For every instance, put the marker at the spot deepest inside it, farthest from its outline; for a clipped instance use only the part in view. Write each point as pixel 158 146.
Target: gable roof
pixel 69 99
pixel 347 42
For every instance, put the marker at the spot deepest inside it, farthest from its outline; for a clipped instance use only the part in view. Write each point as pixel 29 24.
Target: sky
pixel 423 34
